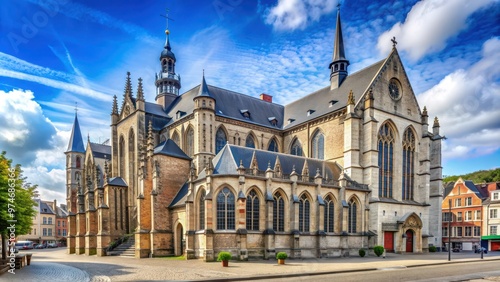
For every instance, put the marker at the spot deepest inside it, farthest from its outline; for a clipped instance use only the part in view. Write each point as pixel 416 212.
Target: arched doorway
pixel 179 240
pixel 409 241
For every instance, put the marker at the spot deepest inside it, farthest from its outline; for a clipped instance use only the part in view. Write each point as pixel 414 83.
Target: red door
pixel 495 246
pixel 389 241
pixel 409 241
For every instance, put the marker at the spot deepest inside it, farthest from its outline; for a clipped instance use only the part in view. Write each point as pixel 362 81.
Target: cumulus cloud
pixel 429 25
pixel 466 102
pixel 297 14
pixel 30 139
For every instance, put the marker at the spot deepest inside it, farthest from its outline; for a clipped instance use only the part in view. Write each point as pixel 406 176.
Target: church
pixel 349 166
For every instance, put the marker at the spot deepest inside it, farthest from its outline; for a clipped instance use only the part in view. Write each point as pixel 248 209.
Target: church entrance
pixel 179 240
pixel 389 241
pixel 409 241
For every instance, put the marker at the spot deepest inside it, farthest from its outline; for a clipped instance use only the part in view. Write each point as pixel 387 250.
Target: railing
pixel 354 184
pixel 168 75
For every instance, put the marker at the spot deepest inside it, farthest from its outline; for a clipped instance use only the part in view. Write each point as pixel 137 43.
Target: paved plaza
pixel 55 265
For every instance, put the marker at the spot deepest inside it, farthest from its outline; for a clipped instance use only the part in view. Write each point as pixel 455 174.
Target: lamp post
pixel 449 229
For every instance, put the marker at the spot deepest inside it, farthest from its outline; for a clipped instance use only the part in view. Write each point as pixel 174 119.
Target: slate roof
pixel 75 140
pixel 170 148
pixel 100 151
pixel 45 208
pixel 230 104
pixel 447 188
pixel 180 198
pixel 319 101
pixel 228 160
pixel 61 212
pixel 117 181
pixel 469 184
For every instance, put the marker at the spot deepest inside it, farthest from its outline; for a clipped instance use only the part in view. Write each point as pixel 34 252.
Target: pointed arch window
pixel 78 162
pixel 408 164
pixel 278 213
pixel 175 138
pixel 329 214
pixel 202 209
pixel 190 142
pixel 131 162
pixel 122 157
pixel 253 205
pixel 385 160
pixel 225 210
pixel 250 142
pixel 352 216
pixel 296 148
pixel 273 146
pixel 304 213
pixel 318 146
pixel 220 140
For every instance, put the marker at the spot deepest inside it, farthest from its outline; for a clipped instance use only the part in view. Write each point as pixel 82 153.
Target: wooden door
pixel 389 241
pixel 409 241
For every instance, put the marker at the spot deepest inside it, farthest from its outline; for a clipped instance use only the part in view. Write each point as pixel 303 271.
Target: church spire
pixel 76 140
pixel 167 82
pixel 338 66
pixel 203 91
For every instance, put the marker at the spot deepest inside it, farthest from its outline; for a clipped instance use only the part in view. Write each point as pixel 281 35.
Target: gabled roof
pixel 321 101
pixel 169 148
pixel 75 140
pixel 117 181
pixel 61 212
pixel 469 184
pixel 229 104
pixel 100 151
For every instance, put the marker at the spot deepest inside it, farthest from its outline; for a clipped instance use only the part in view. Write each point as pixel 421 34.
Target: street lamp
pixel 449 229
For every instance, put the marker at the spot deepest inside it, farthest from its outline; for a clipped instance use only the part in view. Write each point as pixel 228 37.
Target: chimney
pixel 266 97
pixel 55 205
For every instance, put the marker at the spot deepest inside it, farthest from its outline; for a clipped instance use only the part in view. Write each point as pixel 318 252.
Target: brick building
pixel 349 166
pixel 465 216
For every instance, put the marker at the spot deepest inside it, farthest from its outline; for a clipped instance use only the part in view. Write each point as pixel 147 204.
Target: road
pixel 440 273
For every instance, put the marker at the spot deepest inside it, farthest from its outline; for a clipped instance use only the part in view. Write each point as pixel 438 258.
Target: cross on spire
pixel 76 107
pixel 394 42
pixel 167 17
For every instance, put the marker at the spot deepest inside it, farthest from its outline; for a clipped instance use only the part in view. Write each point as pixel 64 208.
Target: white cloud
pixel 30 139
pixel 429 25
pixel 466 102
pixel 297 14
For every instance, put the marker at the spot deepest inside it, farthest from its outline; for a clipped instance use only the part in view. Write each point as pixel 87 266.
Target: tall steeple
pixel 76 141
pixel 338 66
pixel 167 82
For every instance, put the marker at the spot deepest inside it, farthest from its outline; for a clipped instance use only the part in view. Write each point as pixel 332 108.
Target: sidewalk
pixel 56 265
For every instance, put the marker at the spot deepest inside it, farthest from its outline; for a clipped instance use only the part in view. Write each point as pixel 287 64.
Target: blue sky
pixel 54 53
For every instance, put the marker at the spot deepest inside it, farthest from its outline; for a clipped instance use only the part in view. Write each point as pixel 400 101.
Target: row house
pixel 490 235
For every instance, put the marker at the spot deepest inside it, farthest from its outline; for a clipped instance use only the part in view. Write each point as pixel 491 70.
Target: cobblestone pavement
pixel 47 271
pixel 56 265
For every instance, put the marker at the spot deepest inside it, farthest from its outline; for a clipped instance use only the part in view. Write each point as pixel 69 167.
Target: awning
pixel 490 237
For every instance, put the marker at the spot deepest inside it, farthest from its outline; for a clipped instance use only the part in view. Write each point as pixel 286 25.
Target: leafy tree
pixel 16 201
pixel 480 176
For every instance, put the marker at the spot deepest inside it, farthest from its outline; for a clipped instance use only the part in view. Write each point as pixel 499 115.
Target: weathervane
pixel 394 42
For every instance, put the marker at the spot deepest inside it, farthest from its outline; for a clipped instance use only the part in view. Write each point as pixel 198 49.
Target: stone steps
pixel 126 249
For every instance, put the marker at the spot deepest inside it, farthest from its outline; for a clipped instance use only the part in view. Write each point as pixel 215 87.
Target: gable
pixel 392 90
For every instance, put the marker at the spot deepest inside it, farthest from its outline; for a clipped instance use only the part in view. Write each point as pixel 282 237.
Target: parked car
pixel 52 245
pixel 41 246
pixel 24 245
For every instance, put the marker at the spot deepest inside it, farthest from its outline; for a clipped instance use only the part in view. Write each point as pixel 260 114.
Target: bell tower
pixel 338 66
pixel 167 82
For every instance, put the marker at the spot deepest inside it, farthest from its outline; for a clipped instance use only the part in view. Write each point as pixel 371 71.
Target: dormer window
pixel 310 112
pixel 179 114
pixel 495 196
pixel 273 121
pixel 245 113
pixel 290 120
pixel 332 102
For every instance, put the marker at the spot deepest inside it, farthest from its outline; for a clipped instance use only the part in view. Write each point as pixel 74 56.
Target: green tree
pixel 16 202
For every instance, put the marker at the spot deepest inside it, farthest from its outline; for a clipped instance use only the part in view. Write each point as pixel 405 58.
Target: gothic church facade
pixel 349 166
